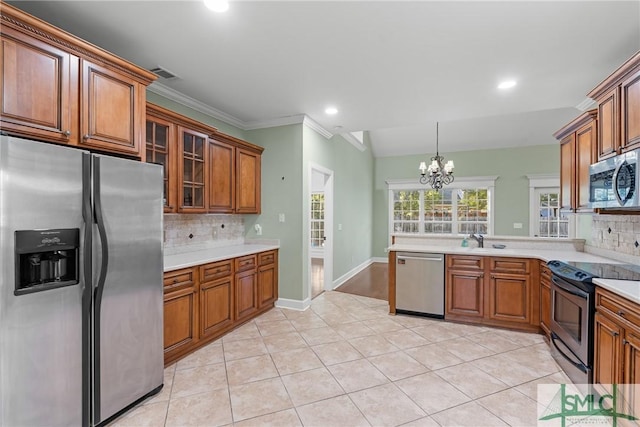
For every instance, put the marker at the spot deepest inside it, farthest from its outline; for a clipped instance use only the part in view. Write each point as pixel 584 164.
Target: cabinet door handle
pixel 175 280
pixel 67 133
pixel 620 313
pixel 87 136
pixel 615 333
pixel 624 342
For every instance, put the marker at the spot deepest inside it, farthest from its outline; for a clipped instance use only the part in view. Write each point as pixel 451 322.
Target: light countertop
pixel 625 288
pixel 205 256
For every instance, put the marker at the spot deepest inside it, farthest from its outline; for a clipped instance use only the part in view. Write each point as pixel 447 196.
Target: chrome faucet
pixel 478 238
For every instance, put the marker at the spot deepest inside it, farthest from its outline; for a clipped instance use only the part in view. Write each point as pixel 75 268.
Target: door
pixel 112 111
pixel 37 103
pixel 246 294
pixel 222 177
pixel 607 359
pixel 41 333
pixel 510 297
pixel 465 293
pixel 128 274
pixel 319 243
pixel 247 181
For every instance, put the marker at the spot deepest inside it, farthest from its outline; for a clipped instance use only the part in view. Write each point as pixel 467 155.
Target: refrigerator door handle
pixel 86 288
pixel 99 289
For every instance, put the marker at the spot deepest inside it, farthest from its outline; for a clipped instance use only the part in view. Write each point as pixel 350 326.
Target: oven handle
pixel 573 291
pixel 580 366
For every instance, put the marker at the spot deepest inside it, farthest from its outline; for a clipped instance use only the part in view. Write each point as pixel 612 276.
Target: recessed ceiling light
pixel 507 84
pixel 217 5
pixel 331 110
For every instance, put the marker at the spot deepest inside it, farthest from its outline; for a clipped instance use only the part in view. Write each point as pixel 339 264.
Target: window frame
pixel 545 182
pixel 460 183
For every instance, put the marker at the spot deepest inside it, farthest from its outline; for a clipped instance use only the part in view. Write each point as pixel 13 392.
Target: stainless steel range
pixel 573 310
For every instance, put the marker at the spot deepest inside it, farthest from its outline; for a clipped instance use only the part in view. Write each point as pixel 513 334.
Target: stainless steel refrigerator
pixel 81 327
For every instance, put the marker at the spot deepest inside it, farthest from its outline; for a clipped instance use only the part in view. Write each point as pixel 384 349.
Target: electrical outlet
pixel 517 225
pixel 339 227
pixel 281 217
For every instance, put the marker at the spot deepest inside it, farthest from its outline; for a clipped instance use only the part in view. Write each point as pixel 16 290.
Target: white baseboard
pixel 349 274
pixel 293 304
pixel 380 259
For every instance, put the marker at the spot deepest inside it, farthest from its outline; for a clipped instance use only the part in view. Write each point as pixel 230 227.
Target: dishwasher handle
pixel 432 258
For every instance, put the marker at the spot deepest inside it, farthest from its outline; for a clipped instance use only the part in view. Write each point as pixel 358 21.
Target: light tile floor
pixel 347 362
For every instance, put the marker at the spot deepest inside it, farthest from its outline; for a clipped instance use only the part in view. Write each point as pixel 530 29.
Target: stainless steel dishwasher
pixel 420 283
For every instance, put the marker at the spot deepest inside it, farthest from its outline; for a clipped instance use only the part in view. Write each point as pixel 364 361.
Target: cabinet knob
pixel 87 136
pixel 624 342
pixel 67 133
pixel 620 313
pixel 175 280
pixel 614 333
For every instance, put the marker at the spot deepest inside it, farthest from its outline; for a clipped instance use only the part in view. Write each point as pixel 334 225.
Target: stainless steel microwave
pixel 614 182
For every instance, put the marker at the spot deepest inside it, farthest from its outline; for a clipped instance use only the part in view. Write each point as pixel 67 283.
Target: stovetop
pixel 586 271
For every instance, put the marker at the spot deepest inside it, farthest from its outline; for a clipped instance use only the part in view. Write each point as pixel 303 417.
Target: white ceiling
pixel 393 68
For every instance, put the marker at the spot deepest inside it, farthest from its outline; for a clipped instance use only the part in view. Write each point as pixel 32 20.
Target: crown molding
pixel 272 123
pixel 354 141
pixel 187 101
pixel 316 126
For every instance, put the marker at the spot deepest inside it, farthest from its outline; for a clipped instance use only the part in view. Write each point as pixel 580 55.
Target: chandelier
pixel 438 173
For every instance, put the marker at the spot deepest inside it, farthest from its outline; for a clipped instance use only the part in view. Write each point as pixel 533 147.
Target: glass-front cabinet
pixel 192 170
pixel 160 146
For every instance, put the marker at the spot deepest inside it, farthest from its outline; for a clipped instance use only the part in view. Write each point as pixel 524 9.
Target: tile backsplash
pixel 618 233
pixel 190 232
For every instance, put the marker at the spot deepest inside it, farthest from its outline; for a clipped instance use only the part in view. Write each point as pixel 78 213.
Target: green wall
pixel 281 194
pixel 511 165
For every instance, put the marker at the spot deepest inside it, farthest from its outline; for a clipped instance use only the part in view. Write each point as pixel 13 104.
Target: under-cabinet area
pixel 205 301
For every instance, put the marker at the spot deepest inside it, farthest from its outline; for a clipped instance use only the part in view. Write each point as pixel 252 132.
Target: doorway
pixel 320 226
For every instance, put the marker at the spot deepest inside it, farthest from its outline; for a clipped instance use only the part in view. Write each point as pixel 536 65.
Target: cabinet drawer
pixel 510 265
pixel 545 273
pixel 215 270
pixel 266 258
pixel 464 262
pixel 245 263
pixel 619 309
pixel 178 279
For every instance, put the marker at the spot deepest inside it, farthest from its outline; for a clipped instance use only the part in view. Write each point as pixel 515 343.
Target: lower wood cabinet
pixel 545 298
pixel 267 278
pixel 180 312
pixel 617 347
pixel 204 302
pixel 496 291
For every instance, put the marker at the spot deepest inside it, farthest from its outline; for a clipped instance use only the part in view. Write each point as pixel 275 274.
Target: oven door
pixel 571 318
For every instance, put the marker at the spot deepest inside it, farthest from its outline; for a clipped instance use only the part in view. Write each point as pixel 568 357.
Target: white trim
pixel 349 274
pixel 459 182
pixel 316 126
pixel 293 304
pixel 544 180
pixel 174 95
pixel 586 104
pixel 348 136
pixel 187 101
pixel 272 123
pixel 380 259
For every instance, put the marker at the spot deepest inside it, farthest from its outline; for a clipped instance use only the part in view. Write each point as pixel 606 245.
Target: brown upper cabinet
pixel 577 152
pixel 618 98
pixel 234 175
pixel 206 171
pixel 74 93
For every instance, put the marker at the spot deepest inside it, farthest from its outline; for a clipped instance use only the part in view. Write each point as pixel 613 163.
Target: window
pixel 551 221
pixel 451 210
pixel 317 220
pixel 546 218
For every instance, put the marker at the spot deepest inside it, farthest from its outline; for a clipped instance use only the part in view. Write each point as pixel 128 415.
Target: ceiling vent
pixel 165 74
